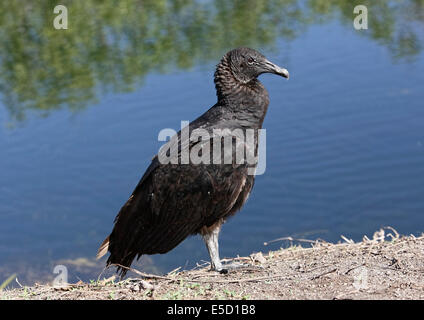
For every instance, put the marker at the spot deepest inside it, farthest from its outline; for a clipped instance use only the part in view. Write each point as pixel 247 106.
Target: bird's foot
pixel 225 268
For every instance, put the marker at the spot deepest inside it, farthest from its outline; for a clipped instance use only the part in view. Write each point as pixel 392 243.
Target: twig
pixel 152 276
pixel 353 268
pixel 17 281
pixel 396 236
pixel 290 239
pixel 145 275
pixel 323 274
pixel 174 271
pixel 347 240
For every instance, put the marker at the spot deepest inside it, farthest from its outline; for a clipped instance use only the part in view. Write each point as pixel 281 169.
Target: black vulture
pixel 176 199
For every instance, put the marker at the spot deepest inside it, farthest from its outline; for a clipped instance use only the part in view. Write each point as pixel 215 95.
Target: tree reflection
pixel 112 44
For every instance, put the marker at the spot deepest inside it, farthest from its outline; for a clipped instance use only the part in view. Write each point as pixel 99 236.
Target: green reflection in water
pixel 112 44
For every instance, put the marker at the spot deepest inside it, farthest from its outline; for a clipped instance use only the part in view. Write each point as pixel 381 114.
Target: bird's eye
pixel 250 60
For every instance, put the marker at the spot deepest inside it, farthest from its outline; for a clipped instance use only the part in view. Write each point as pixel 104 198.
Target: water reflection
pixel 111 45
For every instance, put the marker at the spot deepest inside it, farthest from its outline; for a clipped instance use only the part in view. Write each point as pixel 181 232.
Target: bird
pixel 176 199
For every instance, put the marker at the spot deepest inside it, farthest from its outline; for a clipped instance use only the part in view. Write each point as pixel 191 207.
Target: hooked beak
pixel 273 68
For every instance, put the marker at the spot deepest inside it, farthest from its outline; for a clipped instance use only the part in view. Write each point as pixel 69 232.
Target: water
pixel 345 137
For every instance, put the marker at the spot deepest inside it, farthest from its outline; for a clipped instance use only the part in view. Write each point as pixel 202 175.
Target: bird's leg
pixel 210 236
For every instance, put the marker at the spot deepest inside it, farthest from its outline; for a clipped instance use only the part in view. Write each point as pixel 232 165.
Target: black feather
pixel 173 201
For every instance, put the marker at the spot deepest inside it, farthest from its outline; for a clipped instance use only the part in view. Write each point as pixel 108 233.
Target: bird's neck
pixel 250 97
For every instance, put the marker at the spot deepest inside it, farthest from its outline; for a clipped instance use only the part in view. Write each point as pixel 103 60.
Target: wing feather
pixel 172 201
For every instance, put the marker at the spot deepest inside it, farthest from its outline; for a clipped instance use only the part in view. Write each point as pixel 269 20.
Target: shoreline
pixel 388 266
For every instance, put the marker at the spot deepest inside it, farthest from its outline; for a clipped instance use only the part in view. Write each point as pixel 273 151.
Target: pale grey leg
pixel 210 236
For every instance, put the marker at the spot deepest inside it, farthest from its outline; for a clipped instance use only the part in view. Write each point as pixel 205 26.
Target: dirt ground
pixel 388 266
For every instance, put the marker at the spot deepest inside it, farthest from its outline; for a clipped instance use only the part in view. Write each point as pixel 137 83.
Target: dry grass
pixel 385 267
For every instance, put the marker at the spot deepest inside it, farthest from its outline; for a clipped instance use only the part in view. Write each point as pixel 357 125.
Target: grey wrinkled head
pixel 247 64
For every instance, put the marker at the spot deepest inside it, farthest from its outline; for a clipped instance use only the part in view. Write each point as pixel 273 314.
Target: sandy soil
pixel 388 266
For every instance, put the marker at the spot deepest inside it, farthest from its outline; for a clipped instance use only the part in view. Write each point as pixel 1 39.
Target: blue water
pixel 345 155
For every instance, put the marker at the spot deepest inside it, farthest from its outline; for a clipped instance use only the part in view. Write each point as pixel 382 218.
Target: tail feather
pixel 104 247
